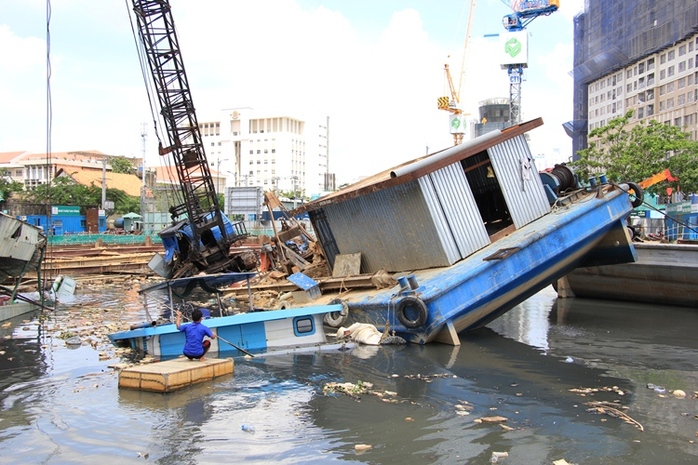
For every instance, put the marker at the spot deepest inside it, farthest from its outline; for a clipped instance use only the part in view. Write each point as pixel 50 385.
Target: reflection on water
pixel 64 406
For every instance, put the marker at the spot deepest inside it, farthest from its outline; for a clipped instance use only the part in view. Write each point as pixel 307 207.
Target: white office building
pixel 269 149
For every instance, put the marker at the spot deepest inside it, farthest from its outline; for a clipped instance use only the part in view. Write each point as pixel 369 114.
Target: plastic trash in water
pixel 569 360
pixel 248 428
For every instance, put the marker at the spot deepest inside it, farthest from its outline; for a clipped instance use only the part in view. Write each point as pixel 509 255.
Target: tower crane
pixel 524 11
pixel 200 236
pixel 452 103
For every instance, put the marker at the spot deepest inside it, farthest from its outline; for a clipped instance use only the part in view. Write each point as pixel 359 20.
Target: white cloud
pixel 379 85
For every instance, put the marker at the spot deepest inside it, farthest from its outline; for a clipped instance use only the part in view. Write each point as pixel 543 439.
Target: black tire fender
pixel 412 312
pixel 639 194
pixel 337 319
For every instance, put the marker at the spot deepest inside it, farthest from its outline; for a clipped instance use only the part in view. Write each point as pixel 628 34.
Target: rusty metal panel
pixel 519 180
pixel 392 228
pixel 456 215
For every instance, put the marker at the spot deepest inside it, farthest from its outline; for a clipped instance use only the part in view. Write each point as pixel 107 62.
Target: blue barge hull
pixel 590 227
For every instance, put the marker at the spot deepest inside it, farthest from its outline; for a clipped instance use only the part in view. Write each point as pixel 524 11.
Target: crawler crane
pixel 200 236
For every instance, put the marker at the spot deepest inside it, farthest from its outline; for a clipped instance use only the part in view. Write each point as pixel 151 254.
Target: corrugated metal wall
pixel 392 228
pixel 454 211
pixel 521 186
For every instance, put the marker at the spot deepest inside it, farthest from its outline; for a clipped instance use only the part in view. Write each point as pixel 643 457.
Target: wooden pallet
pixel 172 375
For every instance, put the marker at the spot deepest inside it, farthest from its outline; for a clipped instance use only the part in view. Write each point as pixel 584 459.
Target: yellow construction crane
pixel 452 103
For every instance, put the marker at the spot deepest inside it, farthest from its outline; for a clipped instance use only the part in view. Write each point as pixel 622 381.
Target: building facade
pixel 639 55
pixel 271 150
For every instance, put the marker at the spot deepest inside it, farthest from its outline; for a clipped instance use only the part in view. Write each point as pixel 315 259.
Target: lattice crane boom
pixel 201 233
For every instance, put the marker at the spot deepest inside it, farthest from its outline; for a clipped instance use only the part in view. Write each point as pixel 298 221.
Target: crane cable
pixel 173 196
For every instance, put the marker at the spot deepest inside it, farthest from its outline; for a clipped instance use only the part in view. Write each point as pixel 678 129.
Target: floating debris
pixel 605 408
pixel 361 448
pixel 494 419
pixel 679 394
pixel 497 456
pixel 350 389
pixel 654 387
pixel 429 378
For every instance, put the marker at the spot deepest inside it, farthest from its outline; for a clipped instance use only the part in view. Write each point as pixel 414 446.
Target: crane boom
pixel 200 235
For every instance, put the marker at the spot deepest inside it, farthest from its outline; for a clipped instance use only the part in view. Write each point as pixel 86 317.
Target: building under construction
pixel 635 54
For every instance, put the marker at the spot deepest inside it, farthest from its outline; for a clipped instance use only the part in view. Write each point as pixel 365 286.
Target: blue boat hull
pixel 480 288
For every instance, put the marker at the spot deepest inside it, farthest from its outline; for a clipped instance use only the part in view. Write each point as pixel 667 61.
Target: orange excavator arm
pixel 655 178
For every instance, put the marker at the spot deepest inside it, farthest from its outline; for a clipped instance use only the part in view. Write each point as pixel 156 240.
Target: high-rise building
pixel 272 150
pixel 635 54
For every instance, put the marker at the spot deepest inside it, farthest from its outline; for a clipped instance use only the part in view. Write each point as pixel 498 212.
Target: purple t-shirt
pixel 195 333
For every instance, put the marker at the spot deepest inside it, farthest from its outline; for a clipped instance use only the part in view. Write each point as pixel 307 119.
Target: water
pixel 62 405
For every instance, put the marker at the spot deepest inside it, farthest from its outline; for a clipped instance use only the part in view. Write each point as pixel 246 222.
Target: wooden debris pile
pixel 294 250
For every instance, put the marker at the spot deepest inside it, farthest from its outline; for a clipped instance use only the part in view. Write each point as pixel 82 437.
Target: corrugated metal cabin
pixel 436 210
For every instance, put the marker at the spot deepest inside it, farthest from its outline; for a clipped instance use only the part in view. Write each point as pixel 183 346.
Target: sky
pixel 376 67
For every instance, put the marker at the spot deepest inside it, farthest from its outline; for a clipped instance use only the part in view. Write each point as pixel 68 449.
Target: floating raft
pixel 174 374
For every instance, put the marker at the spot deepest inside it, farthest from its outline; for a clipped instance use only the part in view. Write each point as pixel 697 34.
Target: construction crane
pixel 200 236
pixel 524 11
pixel 452 103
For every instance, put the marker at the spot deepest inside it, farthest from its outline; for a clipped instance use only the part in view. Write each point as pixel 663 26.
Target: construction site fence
pixel 126 239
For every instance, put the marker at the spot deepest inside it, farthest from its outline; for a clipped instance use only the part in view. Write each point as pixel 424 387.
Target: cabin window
pixel 303 326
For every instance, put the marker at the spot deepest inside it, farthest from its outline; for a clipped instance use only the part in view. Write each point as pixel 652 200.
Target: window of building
pixel 681 99
pixel 670 71
pixel 682 66
pixel 650 110
pixel 671 55
pixel 662 74
pixel 662 59
pixel 682 50
pixel 677 121
pixel 682 83
pixel 650 64
pixel 670 103
pixel 650 79
pixel 670 87
pixel 640 113
pixel 641 67
pixel 629 88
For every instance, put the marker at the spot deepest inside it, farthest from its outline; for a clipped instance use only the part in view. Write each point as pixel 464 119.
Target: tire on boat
pixel 337 319
pixel 639 194
pixel 412 312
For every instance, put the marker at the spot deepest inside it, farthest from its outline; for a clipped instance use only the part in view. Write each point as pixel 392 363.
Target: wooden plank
pixel 174 374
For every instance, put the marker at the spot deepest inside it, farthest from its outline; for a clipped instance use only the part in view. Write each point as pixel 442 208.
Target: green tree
pixel 8 186
pixel 640 152
pixel 63 190
pixel 122 165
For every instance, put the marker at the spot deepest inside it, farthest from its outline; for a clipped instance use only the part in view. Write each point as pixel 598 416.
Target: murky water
pixel 62 405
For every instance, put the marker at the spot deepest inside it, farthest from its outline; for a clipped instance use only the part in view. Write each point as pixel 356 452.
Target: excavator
pixel 658 177
pixel 200 236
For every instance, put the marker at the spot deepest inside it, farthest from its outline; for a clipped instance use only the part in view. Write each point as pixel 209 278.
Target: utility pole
pixel 144 136
pixel 104 182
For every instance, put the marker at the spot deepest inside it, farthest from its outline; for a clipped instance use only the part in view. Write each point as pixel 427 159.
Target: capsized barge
pixel 468 233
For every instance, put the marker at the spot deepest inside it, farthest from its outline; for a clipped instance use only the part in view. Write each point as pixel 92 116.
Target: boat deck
pixel 172 375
